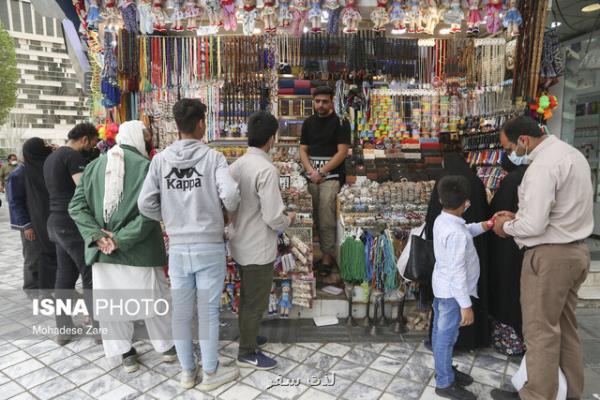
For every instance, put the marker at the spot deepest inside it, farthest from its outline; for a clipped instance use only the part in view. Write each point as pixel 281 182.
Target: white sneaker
pixel 222 376
pixel 188 378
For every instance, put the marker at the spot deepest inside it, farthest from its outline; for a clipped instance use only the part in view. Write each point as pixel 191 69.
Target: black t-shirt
pixel 59 168
pixel 322 136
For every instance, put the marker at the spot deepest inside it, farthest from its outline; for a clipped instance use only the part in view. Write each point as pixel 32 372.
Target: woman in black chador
pixel 478 334
pixel 505 257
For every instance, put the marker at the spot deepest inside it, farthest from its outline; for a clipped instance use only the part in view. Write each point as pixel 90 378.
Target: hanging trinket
pixel 335 10
pixel 111 17
pixel 229 15
pixel 177 16
pixel 146 18
pixel 159 16
pixel 213 10
pixel 454 16
pixel 414 17
pixel 273 300
pixel 512 20
pixel 314 16
pixel 351 17
pixel 474 19
pixel 493 21
pixel 299 12
pixel 93 15
pixel 430 16
pixel 380 16
pixel 249 15
pixel 397 15
pixel 192 12
pixel 285 303
pixel 129 15
pixel 285 15
pixel 269 16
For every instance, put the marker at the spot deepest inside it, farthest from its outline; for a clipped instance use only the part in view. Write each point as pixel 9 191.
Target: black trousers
pixel 31 263
pixel 70 255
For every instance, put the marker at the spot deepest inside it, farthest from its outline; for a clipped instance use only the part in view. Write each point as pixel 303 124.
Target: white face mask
pixel 14 162
pixel 516 159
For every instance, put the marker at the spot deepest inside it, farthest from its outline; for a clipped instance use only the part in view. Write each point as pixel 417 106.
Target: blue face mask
pixel 516 159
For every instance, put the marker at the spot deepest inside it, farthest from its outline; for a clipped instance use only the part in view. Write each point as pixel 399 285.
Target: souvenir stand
pixel 414 79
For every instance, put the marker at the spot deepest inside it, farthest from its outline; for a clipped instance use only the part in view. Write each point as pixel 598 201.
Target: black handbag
pixel 421 259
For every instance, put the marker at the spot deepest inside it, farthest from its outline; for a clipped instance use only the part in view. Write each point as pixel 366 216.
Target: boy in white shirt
pixel 454 281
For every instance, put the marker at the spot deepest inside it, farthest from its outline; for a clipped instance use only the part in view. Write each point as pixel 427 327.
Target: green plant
pixel 9 74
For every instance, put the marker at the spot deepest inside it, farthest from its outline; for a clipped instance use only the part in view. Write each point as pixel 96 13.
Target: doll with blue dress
pixel 512 20
pixel 285 303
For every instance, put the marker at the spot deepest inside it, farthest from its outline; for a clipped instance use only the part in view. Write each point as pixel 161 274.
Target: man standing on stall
pixel 253 240
pixel 323 148
pixel 555 216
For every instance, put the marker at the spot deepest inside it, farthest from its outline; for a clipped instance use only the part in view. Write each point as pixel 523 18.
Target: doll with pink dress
pixel 474 18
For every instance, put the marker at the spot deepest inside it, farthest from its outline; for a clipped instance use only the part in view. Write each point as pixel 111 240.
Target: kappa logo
pixel 183 179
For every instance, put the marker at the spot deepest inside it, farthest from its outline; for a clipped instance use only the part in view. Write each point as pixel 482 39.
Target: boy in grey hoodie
pixel 187 187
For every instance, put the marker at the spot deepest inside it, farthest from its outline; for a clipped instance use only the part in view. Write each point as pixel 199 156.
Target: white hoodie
pixel 187 186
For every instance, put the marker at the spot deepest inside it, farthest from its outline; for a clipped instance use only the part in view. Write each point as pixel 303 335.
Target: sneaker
pixel 130 363
pixel 221 376
pixel 455 391
pixel 188 378
pixel 170 355
pixel 256 360
pixel 62 340
pixel 499 394
pixel 461 378
pixel 261 340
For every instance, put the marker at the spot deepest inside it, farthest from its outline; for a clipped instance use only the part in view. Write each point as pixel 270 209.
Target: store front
pixel 413 84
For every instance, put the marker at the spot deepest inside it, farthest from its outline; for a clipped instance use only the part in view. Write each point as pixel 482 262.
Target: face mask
pixel 13 162
pixel 516 159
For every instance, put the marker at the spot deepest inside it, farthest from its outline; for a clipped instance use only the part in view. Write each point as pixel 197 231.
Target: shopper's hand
pixel 466 316
pixel 103 245
pixel 107 233
pixel 292 217
pixel 508 214
pixel 29 234
pixel 499 225
pixel 314 176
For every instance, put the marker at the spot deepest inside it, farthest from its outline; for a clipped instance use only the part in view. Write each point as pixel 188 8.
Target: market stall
pixel 414 81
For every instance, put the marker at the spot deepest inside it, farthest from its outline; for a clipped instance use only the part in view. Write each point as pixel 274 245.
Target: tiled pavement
pixel 36 368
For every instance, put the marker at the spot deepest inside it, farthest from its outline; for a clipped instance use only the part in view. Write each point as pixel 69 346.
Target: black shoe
pixel 455 391
pixel 130 363
pixel 461 378
pixel 499 394
pixel 261 340
pixel 427 344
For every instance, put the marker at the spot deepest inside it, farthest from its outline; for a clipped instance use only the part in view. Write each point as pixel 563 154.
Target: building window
pixel 39 23
pixel 49 26
pixel 27 21
pixel 4 17
pixel 16 16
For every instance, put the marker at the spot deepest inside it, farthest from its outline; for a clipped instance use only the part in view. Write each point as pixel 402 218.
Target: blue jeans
pixel 446 322
pixel 197 271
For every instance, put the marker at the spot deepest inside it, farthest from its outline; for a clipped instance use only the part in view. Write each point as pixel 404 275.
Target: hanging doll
pixel 145 12
pixel 229 15
pixel 285 303
pixel 431 17
pixel 454 16
pixel 512 20
pixel 225 304
pixel 249 15
pixel 314 16
pixel 159 16
pixel 413 16
pixel 177 16
pixel 397 15
pixel 351 17
pixel 110 16
pixel 213 10
pixel 129 14
pixel 269 15
pixel 192 14
pixel 335 10
pixel 93 15
pixel 236 298
pixel 474 18
pixel 230 289
pixel 494 8
pixel 380 16
pixel 285 15
pixel 273 300
pixel 299 12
